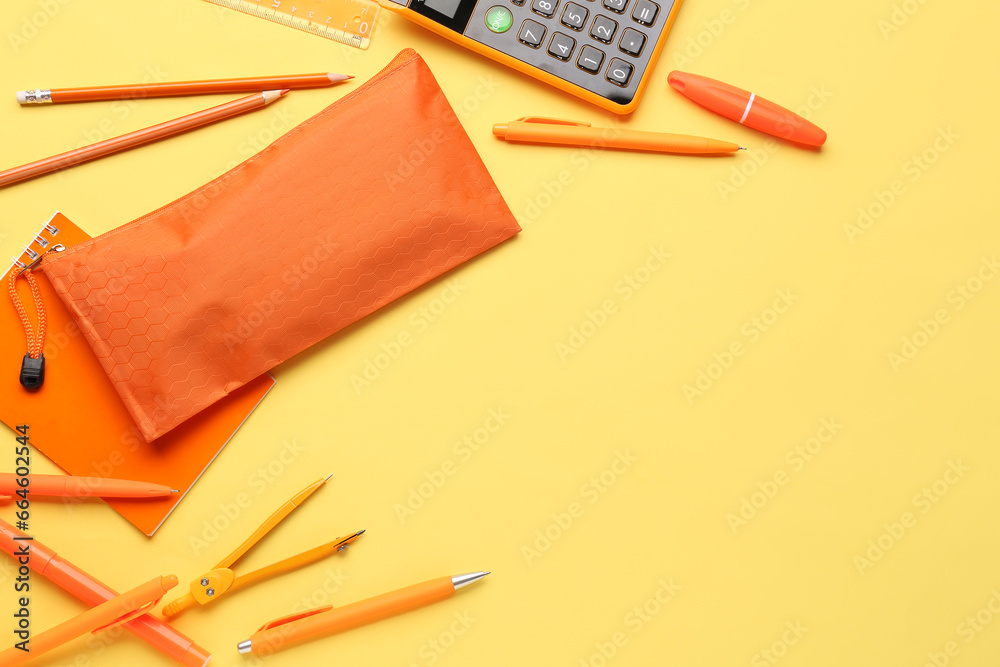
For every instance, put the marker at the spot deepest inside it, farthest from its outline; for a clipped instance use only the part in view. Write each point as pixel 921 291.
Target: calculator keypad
pixel 544 8
pixel 632 42
pixel 531 33
pixel 645 12
pixel 561 46
pixel 603 29
pixel 574 16
pixel 599 45
pixel 590 59
pixel 619 72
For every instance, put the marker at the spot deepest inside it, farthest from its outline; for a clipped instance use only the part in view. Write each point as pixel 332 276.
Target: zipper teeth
pixel 401 57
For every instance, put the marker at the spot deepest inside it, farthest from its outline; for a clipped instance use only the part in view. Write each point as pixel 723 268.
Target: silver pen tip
pixel 175 490
pixel 743 148
pixel 461 580
pixel 243 647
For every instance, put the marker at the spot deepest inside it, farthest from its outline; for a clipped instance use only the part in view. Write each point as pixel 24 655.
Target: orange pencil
pixel 297 628
pixel 177 88
pixel 139 137
pixel 82 487
pixel 112 612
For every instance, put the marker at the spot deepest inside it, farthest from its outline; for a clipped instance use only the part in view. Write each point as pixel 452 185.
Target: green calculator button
pixel 499 19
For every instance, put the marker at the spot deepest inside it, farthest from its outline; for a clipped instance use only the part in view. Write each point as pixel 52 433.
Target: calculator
pixel 600 50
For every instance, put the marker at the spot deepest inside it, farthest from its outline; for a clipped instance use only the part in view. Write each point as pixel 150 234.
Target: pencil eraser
pixel 21 97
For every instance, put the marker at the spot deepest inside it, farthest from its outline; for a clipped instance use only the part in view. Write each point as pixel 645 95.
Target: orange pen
pixel 554 131
pixel 746 108
pixel 117 610
pixel 82 487
pixel 158 634
pixel 177 88
pixel 301 627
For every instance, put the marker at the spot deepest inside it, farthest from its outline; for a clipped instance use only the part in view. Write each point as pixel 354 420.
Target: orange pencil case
pixel 372 197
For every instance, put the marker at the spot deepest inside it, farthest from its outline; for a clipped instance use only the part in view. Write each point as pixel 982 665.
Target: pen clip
pixel 542 120
pixel 125 618
pixel 293 617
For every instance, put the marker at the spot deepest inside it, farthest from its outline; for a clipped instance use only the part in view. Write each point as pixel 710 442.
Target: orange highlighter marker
pixel 76 582
pixel 746 108
pixel 116 610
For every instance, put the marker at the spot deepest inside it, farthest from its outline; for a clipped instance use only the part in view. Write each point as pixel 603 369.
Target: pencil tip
pixel 328 477
pixel 743 148
pixel 285 91
pixel 360 532
pixel 175 490
pixel 334 78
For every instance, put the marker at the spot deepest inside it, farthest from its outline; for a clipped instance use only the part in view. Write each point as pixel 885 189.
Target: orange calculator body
pixel 602 51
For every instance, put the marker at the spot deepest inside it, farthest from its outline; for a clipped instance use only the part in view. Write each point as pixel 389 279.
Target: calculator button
pixel 632 42
pixel 499 19
pixel 617 6
pixel 603 29
pixel 561 46
pixel 545 8
pixel 645 12
pixel 531 33
pixel 574 16
pixel 619 72
pixel 590 59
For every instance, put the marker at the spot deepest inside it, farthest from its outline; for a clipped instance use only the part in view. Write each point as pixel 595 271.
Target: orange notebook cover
pixel 77 418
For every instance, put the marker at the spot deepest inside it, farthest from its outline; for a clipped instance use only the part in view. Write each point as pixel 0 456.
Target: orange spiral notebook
pixel 77 418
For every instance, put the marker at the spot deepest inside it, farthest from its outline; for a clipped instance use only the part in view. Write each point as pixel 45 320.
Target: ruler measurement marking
pixel 346 35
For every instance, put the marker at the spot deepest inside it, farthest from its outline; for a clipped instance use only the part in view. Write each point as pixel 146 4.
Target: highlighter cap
pixel 747 108
pixel 723 99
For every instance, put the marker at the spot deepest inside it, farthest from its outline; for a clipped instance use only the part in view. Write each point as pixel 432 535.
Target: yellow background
pixel 739 231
